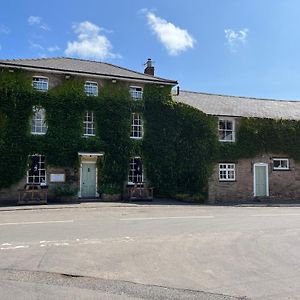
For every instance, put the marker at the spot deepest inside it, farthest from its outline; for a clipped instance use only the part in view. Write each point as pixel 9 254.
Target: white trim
pixel 94 84
pixel 281 168
pixel 226 169
pixel 41 77
pixel 267 178
pixel 90 154
pixel 233 128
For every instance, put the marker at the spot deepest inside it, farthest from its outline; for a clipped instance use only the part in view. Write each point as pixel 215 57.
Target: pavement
pixel 11 205
pixel 146 251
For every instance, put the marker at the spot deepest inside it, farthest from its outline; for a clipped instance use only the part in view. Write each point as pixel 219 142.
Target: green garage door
pixel 261 180
pixel 88 180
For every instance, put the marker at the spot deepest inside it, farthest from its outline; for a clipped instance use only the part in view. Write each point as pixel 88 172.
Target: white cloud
pixel 37 21
pixel 236 39
pixel 34 20
pixel 53 48
pixel 174 39
pixel 90 43
pixel 4 29
pixel 34 45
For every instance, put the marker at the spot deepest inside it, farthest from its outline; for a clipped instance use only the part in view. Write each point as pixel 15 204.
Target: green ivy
pixel 179 147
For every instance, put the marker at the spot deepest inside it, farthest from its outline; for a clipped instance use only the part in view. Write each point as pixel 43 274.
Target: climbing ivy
pixel 179 147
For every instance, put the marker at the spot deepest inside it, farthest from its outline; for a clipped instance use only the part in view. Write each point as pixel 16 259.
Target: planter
pixel 111 197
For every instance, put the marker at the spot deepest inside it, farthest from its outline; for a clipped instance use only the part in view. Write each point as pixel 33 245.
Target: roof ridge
pixel 243 97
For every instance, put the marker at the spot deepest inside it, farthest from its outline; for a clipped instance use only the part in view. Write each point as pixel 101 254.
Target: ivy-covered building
pixel 91 129
pixel 72 125
pixel 259 147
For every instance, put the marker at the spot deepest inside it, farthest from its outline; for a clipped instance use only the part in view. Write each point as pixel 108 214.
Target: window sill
pixel 282 170
pixel 38 133
pixel 227 141
pixel 88 135
pixel 224 180
pixel 136 138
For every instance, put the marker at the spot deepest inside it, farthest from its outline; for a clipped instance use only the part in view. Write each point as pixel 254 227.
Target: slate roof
pixel 232 106
pixel 83 67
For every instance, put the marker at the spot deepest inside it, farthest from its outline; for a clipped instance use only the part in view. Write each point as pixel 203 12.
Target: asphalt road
pixel 150 252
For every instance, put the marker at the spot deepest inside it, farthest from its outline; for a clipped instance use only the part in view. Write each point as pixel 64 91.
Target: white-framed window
pixel 226 172
pixel 36 173
pixel 40 83
pixel 91 88
pixel 89 123
pixel 137 128
pixel 281 164
pixel 38 122
pixel 136 171
pixel 136 93
pixel 226 128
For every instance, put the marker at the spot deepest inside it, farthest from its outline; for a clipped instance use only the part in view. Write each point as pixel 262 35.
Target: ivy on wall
pixel 179 147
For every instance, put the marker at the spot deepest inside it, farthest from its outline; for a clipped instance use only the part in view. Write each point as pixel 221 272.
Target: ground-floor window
pixel 281 164
pixel 36 173
pixel 135 174
pixel 226 172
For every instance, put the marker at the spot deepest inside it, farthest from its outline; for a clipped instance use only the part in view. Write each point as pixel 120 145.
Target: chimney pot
pixel 149 67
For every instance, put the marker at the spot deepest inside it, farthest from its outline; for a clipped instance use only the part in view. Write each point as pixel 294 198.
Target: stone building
pixel 272 176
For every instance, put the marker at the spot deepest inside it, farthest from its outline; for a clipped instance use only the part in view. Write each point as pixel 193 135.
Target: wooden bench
pixel 32 194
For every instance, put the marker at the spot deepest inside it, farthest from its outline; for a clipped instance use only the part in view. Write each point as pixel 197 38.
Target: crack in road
pixel 110 286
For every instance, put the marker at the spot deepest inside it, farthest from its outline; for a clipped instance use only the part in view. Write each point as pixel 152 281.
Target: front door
pixel 88 180
pixel 261 184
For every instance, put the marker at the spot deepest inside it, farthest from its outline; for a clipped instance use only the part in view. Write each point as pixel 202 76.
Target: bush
pixel 65 190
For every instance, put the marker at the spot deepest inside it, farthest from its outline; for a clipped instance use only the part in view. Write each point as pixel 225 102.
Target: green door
pixel 88 180
pixel 261 180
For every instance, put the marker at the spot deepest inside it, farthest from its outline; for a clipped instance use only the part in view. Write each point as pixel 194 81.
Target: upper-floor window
pixel 226 172
pixel 136 93
pixel 40 83
pixel 226 129
pixel 36 174
pixel 89 123
pixel 135 174
pixel 38 122
pixel 91 88
pixel 281 164
pixel 137 130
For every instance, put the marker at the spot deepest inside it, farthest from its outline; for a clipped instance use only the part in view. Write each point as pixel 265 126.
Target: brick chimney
pixel 149 67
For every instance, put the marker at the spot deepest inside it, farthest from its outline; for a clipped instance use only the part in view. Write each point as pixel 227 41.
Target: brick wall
pixel 283 185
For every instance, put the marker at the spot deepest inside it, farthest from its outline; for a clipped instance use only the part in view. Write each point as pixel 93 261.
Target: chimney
pixel 149 68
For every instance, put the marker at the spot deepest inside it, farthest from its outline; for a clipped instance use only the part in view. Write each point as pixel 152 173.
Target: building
pixel 270 175
pixel 49 73
pixel 73 150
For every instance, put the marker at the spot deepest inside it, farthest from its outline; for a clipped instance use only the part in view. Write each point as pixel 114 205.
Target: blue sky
pixel 234 47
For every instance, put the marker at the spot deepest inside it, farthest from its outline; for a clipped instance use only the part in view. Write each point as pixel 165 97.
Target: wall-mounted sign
pixel 57 177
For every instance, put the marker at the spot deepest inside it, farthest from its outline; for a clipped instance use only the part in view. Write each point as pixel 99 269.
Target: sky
pixel 232 47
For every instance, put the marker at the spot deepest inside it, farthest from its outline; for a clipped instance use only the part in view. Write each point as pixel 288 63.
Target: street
pixel 150 251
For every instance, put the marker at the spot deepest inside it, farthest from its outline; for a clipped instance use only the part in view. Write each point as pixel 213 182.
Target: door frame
pixel 267 177
pixel 88 158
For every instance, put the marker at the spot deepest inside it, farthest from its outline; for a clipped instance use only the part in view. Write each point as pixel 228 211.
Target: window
pixel 38 123
pixel 281 164
pixel 91 88
pixel 226 130
pixel 136 93
pixel 40 83
pixel 136 126
pixel 89 124
pixel 226 172
pixel 135 174
pixel 36 173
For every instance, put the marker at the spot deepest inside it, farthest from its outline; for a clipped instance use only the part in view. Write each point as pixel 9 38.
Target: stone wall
pixel 283 185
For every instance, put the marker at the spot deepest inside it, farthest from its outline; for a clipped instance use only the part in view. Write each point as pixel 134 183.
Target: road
pixel 150 252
